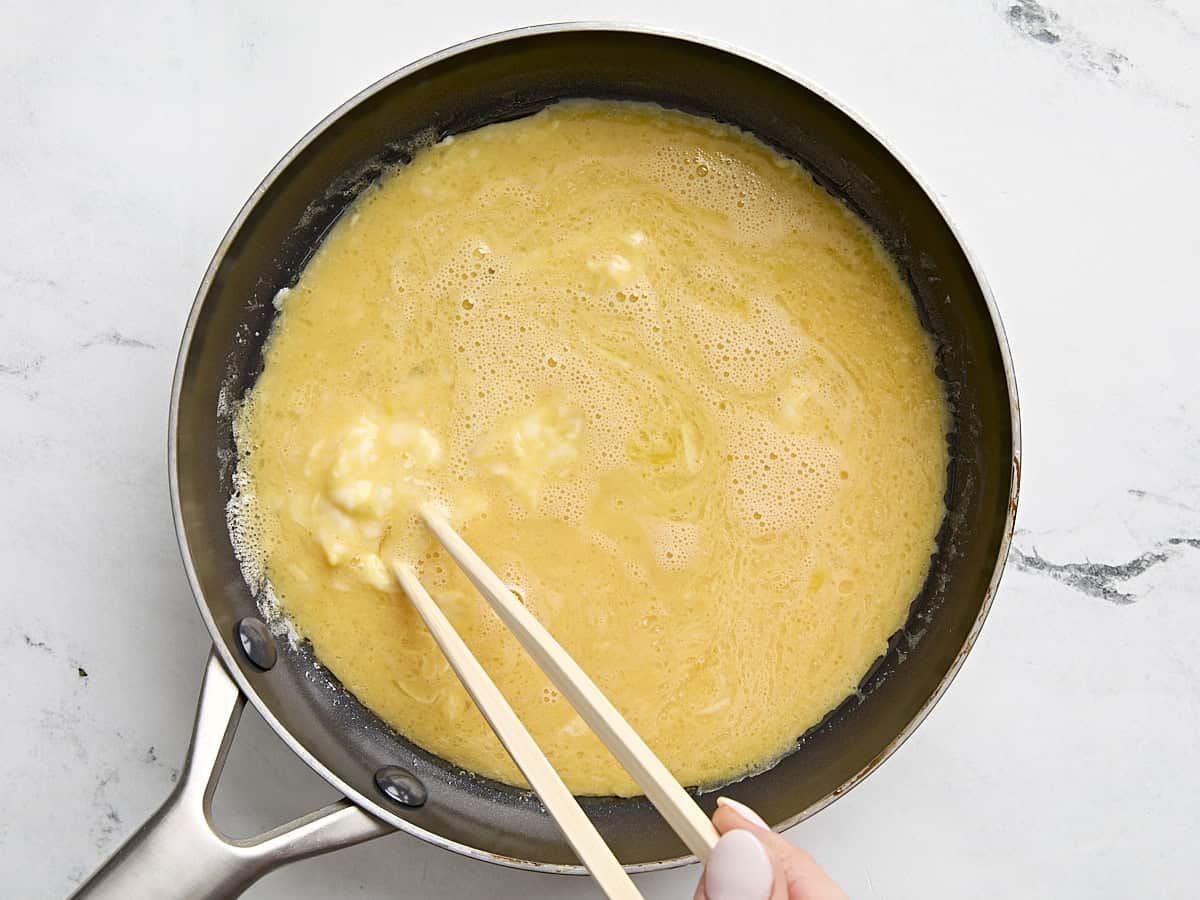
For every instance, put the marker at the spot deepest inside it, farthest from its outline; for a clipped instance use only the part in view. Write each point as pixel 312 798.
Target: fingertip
pixel 727 819
pixel 739 869
pixel 742 810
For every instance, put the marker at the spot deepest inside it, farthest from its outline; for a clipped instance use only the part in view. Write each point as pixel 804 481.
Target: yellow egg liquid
pixel 671 390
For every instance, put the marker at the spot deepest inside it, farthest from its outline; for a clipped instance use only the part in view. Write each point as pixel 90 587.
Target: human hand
pixel 751 862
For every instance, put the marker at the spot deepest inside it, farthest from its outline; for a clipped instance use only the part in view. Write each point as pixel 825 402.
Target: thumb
pixel 734 873
pixel 739 869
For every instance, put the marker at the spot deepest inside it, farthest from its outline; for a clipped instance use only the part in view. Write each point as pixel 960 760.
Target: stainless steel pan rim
pixel 370 804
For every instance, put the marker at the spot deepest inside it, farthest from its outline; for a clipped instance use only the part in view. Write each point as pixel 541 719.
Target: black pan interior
pixel 513 77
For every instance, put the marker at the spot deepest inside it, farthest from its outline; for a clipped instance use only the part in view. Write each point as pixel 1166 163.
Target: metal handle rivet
pixel 256 642
pixel 401 786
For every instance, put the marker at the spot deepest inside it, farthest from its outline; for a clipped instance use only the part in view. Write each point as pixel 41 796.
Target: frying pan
pixel 388 782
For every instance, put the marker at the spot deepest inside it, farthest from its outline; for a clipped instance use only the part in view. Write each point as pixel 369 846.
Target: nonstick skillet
pixel 389 783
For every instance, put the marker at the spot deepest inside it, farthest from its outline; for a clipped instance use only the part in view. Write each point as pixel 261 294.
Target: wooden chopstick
pixel 583 837
pixel 682 813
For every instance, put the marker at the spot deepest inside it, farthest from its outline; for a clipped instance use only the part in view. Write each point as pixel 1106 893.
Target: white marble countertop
pixel 1066 146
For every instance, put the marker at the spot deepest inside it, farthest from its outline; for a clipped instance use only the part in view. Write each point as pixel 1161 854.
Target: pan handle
pixel 180 855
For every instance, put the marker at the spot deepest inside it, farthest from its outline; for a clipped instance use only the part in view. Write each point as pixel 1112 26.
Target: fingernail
pixel 739 868
pixel 744 811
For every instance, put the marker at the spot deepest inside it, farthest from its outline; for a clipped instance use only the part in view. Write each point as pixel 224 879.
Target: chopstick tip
pixel 403 571
pixel 432 510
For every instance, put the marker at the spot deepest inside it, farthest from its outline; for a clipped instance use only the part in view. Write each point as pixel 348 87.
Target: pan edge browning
pixel 502 77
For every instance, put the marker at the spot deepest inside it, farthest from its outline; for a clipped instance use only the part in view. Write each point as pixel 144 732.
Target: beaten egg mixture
pixel 670 389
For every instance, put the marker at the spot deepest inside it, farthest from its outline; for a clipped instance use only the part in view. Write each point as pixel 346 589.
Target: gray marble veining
pixel 1062 137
